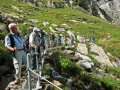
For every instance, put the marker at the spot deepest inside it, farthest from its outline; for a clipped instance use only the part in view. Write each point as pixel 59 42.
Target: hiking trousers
pixel 19 58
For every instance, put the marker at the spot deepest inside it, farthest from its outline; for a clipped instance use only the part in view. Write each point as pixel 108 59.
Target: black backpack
pixel 12 42
pixel 26 38
pixel 11 39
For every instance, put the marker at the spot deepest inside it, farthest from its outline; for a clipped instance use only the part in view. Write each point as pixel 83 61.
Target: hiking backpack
pixel 11 39
pixel 12 42
pixel 26 38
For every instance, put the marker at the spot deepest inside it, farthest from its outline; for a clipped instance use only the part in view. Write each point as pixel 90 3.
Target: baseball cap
pixel 36 29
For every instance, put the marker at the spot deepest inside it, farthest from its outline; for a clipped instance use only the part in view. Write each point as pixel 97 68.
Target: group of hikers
pixel 65 39
pixel 19 46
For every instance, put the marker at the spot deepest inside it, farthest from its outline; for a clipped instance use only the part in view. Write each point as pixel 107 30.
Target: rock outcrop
pixel 100 55
pixel 111 8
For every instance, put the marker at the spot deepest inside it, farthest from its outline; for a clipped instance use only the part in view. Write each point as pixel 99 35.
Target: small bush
pixel 110 84
pixel 87 78
pixel 46 70
pixel 114 71
pixel 68 66
pixel 4 54
pixel 2 36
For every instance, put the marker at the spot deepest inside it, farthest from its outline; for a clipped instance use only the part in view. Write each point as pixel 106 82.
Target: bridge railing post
pixel 29 72
pixel 38 86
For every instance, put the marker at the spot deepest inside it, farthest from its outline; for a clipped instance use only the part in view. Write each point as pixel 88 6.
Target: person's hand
pixel 15 49
pixel 25 49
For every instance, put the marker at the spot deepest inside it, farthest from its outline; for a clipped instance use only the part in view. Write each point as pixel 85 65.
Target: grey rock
pixel 101 55
pixel 60 29
pixel 82 48
pixel 117 60
pixel 2 28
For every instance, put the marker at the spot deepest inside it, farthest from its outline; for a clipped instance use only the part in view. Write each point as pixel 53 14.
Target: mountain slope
pixel 79 22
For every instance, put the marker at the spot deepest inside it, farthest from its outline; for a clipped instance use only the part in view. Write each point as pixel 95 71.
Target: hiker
pixel 72 39
pixel 93 39
pixel 15 44
pixel 59 39
pixel 107 35
pixel 66 40
pixel 26 38
pixel 42 34
pixel 52 39
pixel 42 39
pixel 34 42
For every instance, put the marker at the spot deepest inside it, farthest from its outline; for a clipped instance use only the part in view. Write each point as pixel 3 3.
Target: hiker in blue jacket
pixel 59 39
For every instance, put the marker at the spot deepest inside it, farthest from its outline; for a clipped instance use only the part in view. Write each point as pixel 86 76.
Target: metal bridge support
pixel 38 85
pixel 29 72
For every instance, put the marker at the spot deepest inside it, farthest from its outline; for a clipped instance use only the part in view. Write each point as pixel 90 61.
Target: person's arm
pixel 10 48
pixel 8 43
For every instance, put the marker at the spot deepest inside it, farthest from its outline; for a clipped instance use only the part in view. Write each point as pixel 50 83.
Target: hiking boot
pixel 17 81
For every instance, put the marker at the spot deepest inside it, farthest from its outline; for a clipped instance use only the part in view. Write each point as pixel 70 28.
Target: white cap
pixel 11 25
pixel 36 29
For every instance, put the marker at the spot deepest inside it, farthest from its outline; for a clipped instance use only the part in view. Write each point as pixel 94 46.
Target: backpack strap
pixel 12 44
pixel 18 34
pixel 11 40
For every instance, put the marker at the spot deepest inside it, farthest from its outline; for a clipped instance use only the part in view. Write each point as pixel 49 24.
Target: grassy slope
pixel 60 16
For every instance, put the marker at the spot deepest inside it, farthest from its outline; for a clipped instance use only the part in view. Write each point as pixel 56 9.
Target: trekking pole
pixel 29 72
pixel 38 86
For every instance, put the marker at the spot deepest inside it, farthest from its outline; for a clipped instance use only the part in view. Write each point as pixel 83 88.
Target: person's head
pixel 36 30
pixel 41 30
pixel 13 28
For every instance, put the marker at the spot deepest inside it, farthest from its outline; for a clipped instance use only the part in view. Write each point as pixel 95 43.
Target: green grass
pixel 114 71
pixel 110 84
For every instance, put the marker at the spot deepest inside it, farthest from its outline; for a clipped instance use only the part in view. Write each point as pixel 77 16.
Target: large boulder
pixel 82 48
pixel 83 57
pixel 88 66
pixel 100 55
pixel 110 8
pixel 3 28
